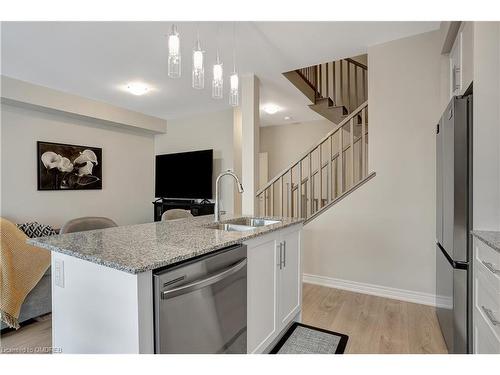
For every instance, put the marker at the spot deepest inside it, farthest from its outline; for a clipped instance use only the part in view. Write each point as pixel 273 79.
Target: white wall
pixel 250 129
pixel 127 190
pixel 286 143
pixel 207 131
pixel 383 234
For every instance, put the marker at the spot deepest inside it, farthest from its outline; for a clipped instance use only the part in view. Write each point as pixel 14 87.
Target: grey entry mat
pixel 304 339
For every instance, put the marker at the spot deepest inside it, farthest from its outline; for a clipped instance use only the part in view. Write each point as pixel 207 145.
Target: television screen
pixel 184 175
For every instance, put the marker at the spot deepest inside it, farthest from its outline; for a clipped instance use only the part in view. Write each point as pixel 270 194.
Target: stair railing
pixel 344 81
pixel 322 175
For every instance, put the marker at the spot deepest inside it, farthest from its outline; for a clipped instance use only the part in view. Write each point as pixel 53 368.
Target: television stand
pixel 161 205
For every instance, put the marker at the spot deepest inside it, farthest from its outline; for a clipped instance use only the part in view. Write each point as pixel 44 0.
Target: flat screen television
pixel 184 175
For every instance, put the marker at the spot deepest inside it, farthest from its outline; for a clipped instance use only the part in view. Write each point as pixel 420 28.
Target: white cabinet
pixel 461 60
pixel 261 293
pixel 290 280
pixel 274 285
pixel 467 34
pixel 486 291
pixel 456 66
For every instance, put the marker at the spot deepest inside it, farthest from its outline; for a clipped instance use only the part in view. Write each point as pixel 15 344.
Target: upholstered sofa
pixel 39 301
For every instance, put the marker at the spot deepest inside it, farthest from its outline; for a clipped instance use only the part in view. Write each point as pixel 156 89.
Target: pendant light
pixel 233 78
pixel 198 76
pixel 217 72
pixel 217 80
pixel 174 54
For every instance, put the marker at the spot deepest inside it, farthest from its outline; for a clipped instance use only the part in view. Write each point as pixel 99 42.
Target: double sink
pixel 242 224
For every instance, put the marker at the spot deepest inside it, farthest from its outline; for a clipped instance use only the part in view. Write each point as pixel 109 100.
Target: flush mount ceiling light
pixel 287 118
pixel 137 88
pixel 271 109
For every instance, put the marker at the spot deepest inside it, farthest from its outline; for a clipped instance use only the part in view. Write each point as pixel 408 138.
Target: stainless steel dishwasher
pixel 201 306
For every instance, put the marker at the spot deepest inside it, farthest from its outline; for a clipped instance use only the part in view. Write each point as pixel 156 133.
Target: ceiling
pixel 96 59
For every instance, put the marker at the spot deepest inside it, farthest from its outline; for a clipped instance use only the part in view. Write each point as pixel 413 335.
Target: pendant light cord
pixel 234 47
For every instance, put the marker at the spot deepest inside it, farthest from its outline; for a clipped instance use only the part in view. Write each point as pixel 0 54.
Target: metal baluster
pixel 299 191
pixel 356 100
pixel 341 79
pixel 281 196
pixel 340 160
pixel 329 174
pixel 349 86
pixel 363 143
pixel 290 196
pixel 334 94
pixel 351 141
pixel 320 170
pixel 271 204
pixel 310 187
pixel 326 79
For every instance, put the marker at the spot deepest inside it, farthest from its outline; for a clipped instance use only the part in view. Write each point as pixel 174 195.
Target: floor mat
pixel 303 339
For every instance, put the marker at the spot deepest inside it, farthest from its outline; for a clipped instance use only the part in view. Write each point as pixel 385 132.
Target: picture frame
pixel 62 166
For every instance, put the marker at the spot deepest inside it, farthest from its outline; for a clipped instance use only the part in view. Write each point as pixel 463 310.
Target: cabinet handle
pixel 456 82
pixel 280 263
pixel 491 267
pixel 284 254
pixel 490 316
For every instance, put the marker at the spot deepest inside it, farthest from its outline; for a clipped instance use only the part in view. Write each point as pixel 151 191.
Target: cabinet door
pixel 456 66
pixel 261 295
pixel 467 34
pixel 290 279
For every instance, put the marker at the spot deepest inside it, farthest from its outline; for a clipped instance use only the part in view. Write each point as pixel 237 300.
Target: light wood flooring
pixel 374 324
pixel 31 338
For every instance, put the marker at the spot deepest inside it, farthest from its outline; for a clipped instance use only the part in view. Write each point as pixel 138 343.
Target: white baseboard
pixel 374 290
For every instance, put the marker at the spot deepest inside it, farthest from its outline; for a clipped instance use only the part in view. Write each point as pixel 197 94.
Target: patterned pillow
pixel 35 229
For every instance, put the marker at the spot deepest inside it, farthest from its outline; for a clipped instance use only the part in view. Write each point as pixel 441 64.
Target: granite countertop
pixel 144 247
pixel 490 238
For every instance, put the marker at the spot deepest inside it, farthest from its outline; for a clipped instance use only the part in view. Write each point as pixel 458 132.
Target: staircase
pixel 335 88
pixel 338 163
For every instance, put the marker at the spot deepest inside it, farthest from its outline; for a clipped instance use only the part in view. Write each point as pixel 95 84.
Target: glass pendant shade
pixel 234 89
pixel 217 81
pixel 198 77
pixel 174 54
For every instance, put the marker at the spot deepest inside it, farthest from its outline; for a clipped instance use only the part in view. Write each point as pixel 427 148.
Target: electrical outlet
pixel 59 273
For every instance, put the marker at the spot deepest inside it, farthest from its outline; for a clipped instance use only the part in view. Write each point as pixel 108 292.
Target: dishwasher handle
pixel 198 284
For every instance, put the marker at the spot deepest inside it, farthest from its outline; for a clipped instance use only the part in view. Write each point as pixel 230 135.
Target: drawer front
pixel 487 302
pixel 485 340
pixel 487 262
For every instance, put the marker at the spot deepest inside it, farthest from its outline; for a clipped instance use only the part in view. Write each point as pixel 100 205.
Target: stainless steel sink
pixel 230 227
pixel 242 224
pixel 252 222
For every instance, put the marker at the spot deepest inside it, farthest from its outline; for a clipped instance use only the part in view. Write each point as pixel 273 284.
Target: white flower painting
pixel 68 167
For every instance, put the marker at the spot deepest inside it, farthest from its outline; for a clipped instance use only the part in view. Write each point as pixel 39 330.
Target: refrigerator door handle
pixel 455 264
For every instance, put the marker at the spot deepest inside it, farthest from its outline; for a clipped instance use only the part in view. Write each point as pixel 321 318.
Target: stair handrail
pixel 354 113
pixel 357 63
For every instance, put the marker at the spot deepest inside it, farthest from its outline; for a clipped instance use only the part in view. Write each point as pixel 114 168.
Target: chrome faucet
pixel 217 197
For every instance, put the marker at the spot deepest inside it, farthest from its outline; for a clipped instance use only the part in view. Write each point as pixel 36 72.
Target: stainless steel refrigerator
pixel 454 223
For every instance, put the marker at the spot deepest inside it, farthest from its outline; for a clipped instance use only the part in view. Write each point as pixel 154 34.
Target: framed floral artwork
pixel 68 167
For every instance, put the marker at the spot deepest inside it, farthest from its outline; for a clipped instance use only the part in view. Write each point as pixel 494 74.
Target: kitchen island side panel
pixel 97 309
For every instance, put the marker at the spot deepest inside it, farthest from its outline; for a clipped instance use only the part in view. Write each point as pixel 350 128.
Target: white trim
pixel 374 290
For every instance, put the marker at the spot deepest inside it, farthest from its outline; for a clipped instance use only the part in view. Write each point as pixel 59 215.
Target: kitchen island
pixel 102 280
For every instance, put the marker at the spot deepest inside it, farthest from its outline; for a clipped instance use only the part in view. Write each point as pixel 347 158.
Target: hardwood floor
pixel 374 324
pixel 31 338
